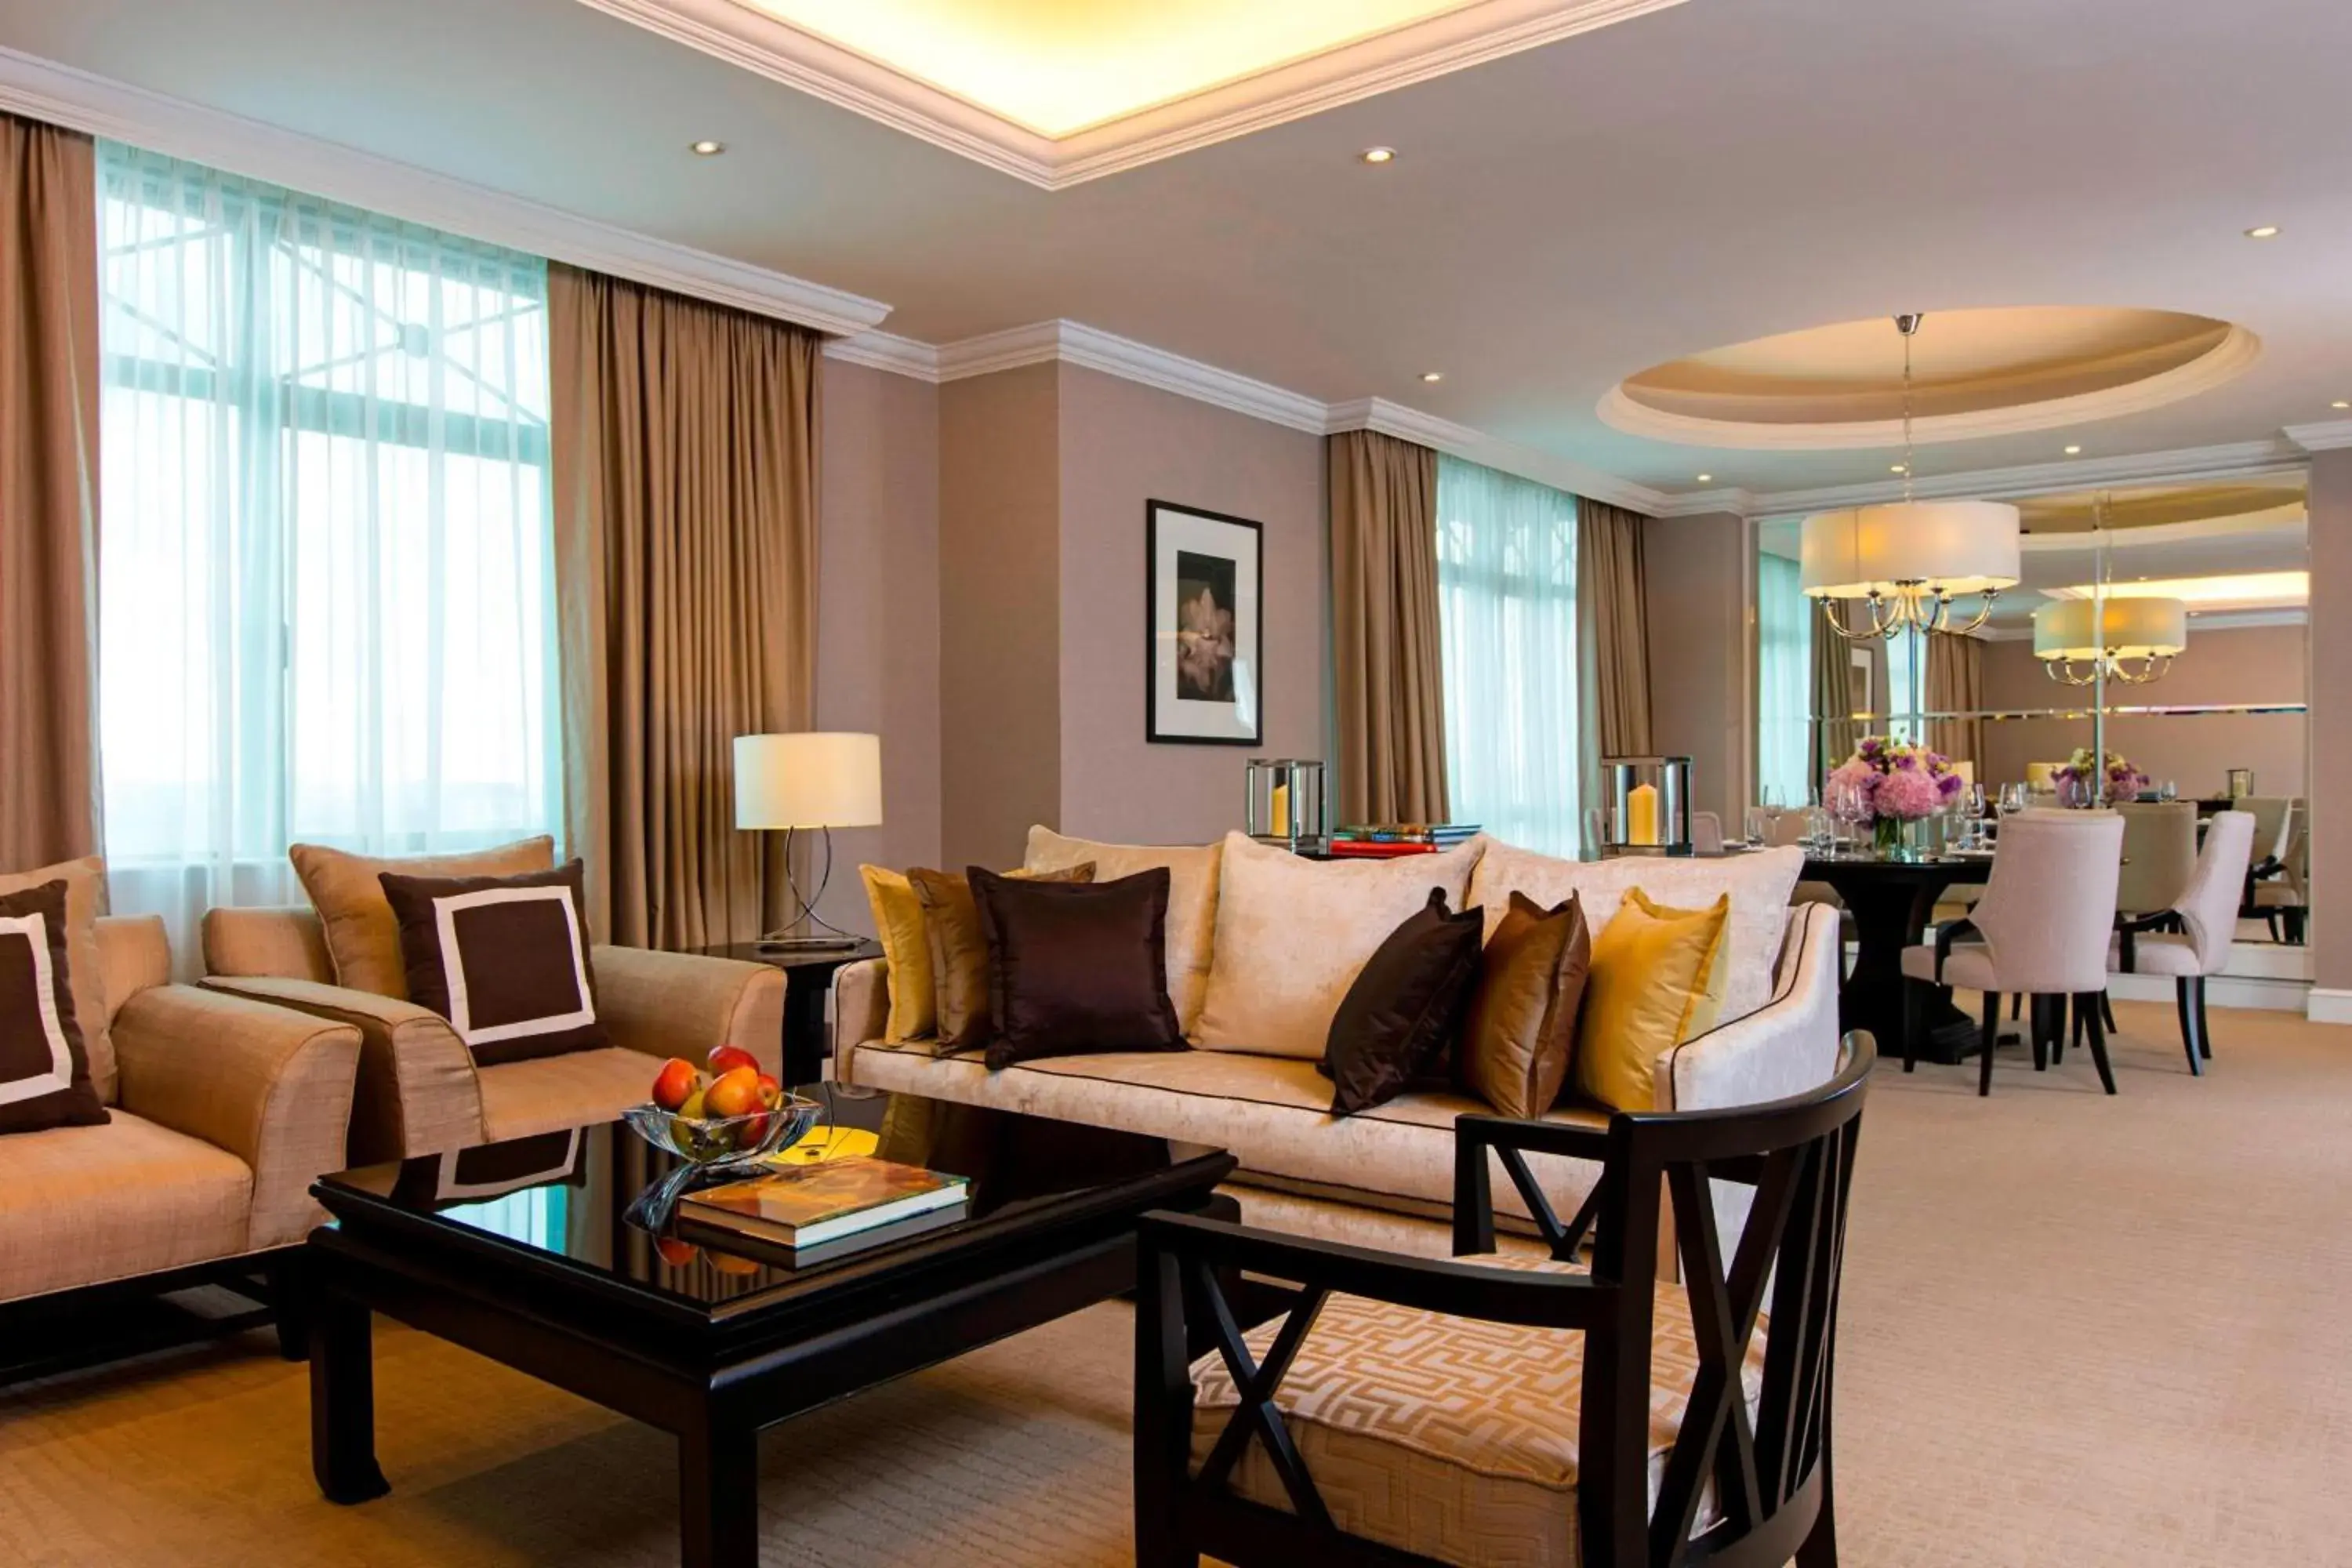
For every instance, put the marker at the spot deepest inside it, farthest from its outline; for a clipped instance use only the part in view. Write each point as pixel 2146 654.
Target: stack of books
pixel 1387 840
pixel 814 1212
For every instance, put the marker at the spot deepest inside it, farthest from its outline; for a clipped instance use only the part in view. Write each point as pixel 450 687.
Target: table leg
pixel 343 1400
pixel 718 1496
pixel 803 1028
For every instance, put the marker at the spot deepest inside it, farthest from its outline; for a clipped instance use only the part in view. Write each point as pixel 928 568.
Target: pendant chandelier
pixel 1908 562
pixel 2128 639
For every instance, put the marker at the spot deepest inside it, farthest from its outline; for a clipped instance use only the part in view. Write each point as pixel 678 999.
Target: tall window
pixel 1507 603
pixel 325 570
pixel 1784 666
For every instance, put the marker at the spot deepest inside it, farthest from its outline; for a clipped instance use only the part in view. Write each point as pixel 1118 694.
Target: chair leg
pixel 2204 1028
pixel 2107 1012
pixel 2044 1033
pixel 2271 920
pixel 1912 1015
pixel 2014 1003
pixel 2188 1025
pixel 1991 1037
pixel 2087 1002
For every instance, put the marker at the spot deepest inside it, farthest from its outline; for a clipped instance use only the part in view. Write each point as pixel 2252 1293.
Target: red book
pixel 1368 849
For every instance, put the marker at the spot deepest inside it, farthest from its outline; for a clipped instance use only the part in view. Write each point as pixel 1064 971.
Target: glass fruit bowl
pixel 719 1142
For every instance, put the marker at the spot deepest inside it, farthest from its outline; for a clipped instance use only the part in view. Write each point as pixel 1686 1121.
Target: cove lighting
pixel 2226 591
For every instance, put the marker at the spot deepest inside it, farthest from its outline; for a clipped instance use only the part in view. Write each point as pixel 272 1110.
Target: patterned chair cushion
pixel 1448 1436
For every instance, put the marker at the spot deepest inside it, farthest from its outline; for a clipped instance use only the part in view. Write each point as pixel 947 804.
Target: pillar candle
pixel 1642 814
pixel 1280 812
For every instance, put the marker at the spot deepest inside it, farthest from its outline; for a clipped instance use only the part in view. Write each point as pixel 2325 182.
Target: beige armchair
pixel 225 1112
pixel 419 1091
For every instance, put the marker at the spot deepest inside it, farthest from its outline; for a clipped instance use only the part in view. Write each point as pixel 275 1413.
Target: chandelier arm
pixel 1984 611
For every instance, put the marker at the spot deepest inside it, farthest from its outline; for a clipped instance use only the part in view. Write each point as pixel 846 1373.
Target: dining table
pixel 1892 900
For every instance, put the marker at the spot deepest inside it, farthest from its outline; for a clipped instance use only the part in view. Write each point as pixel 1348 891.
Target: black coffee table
pixel 520 1252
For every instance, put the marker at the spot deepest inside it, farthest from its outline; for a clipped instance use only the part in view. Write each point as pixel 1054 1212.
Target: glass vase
pixel 1886 837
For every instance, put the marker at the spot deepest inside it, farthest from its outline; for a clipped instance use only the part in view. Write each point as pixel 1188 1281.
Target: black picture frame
pixel 1230 553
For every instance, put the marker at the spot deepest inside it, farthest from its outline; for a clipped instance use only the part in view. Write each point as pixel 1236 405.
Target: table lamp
pixel 815 779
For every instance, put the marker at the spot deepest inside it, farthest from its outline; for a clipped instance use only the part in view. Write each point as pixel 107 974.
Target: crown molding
pixel 1436 46
pixel 2235 620
pixel 886 351
pixel 1123 357
pixel 2236 460
pixel 2225 362
pixel 1732 499
pixel 60 95
pixel 2332 435
pixel 1477 447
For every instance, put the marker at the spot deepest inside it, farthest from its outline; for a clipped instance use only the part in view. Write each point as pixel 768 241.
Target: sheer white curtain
pixel 1784 665
pixel 324 572
pixel 1506 607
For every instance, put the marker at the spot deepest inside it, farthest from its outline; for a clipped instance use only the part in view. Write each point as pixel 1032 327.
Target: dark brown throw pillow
pixel 43 1070
pixel 960 949
pixel 1403 1006
pixel 1520 1036
pixel 1076 967
pixel 504 959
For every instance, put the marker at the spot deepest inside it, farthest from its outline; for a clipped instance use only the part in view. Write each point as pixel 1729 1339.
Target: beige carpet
pixel 2078 1332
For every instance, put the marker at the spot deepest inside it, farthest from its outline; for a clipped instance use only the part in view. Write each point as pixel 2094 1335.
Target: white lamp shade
pixel 2120 629
pixel 1955 547
pixel 815 779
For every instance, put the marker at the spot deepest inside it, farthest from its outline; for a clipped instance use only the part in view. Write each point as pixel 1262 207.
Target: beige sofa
pixel 1385 1177
pixel 419 1090
pixel 223 1113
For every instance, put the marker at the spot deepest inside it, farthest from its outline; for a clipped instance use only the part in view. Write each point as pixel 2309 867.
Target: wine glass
pixel 2012 799
pixel 1760 825
pixel 2167 790
pixel 1972 803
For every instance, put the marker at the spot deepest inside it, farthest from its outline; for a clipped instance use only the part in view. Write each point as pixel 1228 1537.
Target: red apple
pixel 736 1093
pixel 674 1083
pixel 727 1059
pixel 772 1093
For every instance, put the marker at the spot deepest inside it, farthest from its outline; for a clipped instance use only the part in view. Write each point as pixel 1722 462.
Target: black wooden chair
pixel 1598 1417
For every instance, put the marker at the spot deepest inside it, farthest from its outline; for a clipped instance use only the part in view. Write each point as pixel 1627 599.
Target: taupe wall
pixel 2331 718
pixel 2241 664
pixel 999 613
pixel 1698 595
pixel 1123 444
pixel 878 661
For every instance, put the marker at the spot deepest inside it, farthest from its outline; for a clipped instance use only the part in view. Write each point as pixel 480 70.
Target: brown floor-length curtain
pixel 685 445
pixel 1835 735
pixel 48 487
pixel 1955 685
pixel 1387 669
pixel 1611 599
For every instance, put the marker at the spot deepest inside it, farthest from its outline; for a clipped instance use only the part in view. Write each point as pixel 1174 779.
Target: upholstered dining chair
pixel 2192 940
pixel 2042 930
pixel 1707 832
pixel 2159 855
pixel 2281 883
pixel 1513 1408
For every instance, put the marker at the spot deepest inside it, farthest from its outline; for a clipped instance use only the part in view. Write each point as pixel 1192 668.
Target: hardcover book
pixel 807 1205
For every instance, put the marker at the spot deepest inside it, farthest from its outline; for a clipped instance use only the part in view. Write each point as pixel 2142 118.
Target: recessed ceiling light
pixel 1893 467
pixel 2263 231
pixel 2341 403
pixel 1377 154
pixel 1432 376
pixel 705 148
pixel 2074 451
pixel 1706 478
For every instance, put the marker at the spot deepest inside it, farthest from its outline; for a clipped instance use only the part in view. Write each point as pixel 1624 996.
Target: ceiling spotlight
pixel 1377 154
pixel 1896 468
pixel 1706 478
pixel 1432 376
pixel 2263 231
pixel 2074 451
pixel 706 149
pixel 2341 403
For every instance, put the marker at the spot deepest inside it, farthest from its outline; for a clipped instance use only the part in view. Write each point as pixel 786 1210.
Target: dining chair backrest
pixel 2209 905
pixel 2048 905
pixel 2294 859
pixel 1707 832
pixel 1787 827
pixel 2269 814
pixel 2159 854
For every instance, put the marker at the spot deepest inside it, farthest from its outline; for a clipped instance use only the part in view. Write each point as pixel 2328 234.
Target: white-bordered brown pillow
pixel 43 1070
pixel 504 959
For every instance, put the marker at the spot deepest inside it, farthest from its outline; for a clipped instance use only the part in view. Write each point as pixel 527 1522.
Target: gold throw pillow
pixel 1521 1034
pixel 899 925
pixel 1657 980
pixel 959 953
pixel 362 936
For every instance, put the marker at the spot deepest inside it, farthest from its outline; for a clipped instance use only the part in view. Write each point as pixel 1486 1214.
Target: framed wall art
pixel 1204 645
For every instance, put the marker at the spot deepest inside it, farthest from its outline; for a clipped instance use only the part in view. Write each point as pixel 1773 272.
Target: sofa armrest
pixel 270 1086
pixel 417 1093
pixel 861 1012
pixel 683 1005
pixel 1784 1048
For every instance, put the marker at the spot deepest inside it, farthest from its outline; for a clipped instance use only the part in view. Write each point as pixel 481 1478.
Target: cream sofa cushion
pixel 85 881
pixel 577 1089
pixel 86 1204
pixel 1760 884
pixel 1292 935
pixel 1192 900
pixel 363 937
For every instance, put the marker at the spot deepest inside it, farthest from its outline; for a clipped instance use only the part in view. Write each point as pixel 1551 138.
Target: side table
pixel 808 980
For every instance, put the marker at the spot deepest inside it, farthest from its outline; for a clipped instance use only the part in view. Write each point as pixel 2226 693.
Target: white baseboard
pixel 2328 1006
pixel 2229 991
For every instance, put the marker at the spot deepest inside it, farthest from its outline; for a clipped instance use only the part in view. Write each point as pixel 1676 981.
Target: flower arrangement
pixel 2123 779
pixel 1900 781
